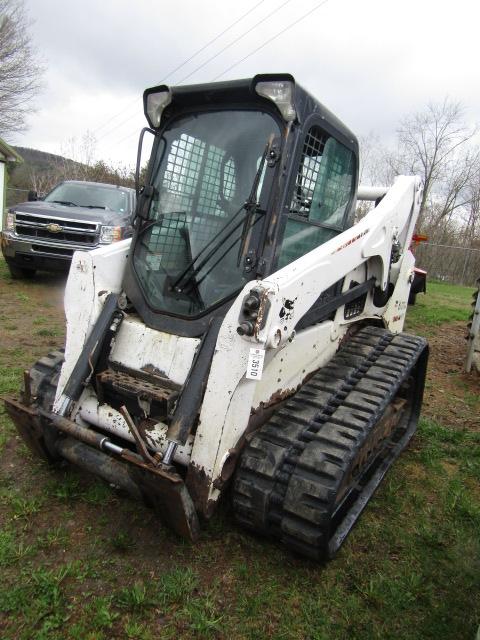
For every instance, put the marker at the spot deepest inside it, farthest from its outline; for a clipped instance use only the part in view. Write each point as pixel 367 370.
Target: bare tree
pixel 78 162
pixel 374 161
pixel 42 181
pixel 78 156
pixel 436 144
pixel 429 145
pixel 20 71
pixel 455 192
pixel 471 211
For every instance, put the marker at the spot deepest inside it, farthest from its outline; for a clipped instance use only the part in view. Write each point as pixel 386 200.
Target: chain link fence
pixel 449 263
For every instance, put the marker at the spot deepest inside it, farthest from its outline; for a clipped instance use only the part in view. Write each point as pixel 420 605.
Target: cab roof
pixel 238 92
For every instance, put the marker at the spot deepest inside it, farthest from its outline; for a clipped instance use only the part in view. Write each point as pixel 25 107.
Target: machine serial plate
pixel 255 363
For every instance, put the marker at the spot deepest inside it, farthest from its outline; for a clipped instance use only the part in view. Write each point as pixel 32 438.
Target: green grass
pixel 49 332
pixel 134 597
pixel 409 571
pixel 9 378
pixel 80 562
pixel 176 585
pixel 443 303
pixel 12 549
pixel 4 272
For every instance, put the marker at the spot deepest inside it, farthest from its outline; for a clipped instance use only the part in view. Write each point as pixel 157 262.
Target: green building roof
pixel 8 154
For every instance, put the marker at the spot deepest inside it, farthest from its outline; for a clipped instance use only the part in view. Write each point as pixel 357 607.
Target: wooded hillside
pixel 41 171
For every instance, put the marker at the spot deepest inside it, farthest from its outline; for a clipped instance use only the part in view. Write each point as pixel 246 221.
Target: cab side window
pixel 323 188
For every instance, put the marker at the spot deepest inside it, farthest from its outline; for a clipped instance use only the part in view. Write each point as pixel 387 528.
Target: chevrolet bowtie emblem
pixel 54 228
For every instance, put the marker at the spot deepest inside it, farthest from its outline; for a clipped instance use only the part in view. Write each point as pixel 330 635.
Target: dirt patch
pixel 450 393
pixel 31 310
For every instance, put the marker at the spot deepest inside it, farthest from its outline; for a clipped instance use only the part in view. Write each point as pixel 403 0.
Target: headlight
pixel 281 92
pixel 10 222
pixel 154 102
pixel 110 234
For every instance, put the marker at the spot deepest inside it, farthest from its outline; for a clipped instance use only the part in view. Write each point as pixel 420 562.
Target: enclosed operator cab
pixel 245 177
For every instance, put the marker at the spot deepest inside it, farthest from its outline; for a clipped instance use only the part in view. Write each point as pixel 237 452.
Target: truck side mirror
pixel 32 196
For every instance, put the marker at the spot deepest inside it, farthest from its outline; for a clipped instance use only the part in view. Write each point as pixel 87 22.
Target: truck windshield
pixel 88 195
pixel 187 253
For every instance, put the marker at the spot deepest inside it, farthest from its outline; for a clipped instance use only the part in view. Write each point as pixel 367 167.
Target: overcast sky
pixel 369 61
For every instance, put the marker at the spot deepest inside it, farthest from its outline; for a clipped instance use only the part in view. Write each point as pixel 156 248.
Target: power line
pixel 130 135
pixel 270 40
pixel 450 246
pixel 264 44
pixel 212 41
pixel 120 124
pixel 170 73
pixel 230 44
pixel 240 37
pixel 107 122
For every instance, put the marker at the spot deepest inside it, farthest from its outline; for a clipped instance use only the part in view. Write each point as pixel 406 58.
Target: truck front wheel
pixel 20 273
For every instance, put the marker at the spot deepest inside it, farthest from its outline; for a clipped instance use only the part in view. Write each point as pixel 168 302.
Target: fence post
pixel 467 256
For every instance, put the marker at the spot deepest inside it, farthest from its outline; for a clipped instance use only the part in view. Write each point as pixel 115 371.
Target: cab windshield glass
pixel 206 165
pixel 88 195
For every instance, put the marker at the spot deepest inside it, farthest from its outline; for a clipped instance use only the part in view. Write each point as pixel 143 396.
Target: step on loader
pixel 247 341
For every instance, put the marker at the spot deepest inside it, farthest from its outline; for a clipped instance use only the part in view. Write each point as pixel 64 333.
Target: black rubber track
pixel 44 376
pixel 289 477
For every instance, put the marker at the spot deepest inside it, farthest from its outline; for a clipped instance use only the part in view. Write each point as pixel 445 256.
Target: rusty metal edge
pixel 170 496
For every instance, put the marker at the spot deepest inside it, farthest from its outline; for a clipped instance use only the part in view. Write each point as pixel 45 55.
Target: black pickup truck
pixel 43 234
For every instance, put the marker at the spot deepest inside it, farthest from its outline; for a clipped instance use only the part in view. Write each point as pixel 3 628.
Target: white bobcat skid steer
pixel 249 334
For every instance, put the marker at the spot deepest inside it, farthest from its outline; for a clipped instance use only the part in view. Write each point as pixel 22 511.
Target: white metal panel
pixel 370 240
pixel 230 397
pixel 366 192
pixel 396 308
pixel 92 275
pixel 139 347
pixel 287 367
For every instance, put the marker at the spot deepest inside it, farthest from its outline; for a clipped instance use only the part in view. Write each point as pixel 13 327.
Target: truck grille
pixel 61 251
pixel 77 232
